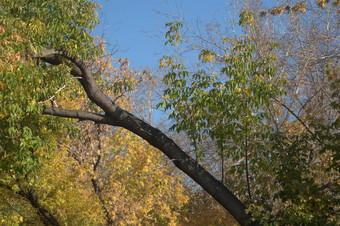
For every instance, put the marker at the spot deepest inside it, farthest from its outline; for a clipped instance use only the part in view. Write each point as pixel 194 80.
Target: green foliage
pixel 56 24
pixel 26 28
pixel 173 36
pixel 246 18
pixel 38 153
pixel 291 175
pixel 291 165
pixel 304 200
pixel 228 108
pixel 221 105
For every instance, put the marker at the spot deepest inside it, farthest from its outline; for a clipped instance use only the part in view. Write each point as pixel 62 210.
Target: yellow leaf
pixel 162 63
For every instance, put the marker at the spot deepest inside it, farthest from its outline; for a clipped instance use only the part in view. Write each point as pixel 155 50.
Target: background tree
pixel 95 174
pixel 288 131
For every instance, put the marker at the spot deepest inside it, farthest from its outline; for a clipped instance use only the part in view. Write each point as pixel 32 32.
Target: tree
pixel 25 144
pixel 96 174
pixel 49 47
pixel 54 41
pixel 308 102
pixel 116 116
pixel 284 146
pixel 129 178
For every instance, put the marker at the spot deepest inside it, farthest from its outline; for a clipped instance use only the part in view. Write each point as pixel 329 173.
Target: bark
pixel 45 216
pixel 98 192
pixel 116 116
pixel 95 183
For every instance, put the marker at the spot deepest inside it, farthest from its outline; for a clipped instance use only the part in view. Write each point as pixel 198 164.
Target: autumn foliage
pixel 259 111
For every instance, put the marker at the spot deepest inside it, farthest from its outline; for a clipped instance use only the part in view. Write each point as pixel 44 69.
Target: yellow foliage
pixel 137 184
pixel 322 3
pixel 300 7
pixel 166 62
pixel 162 63
pixel 277 11
pixel 206 58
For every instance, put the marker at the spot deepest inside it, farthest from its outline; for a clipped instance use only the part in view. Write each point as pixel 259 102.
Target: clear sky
pixel 132 25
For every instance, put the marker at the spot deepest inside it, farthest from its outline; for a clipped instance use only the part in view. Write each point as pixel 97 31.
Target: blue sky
pixel 132 25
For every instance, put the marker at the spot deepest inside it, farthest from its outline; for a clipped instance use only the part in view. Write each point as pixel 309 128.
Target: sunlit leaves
pixel 133 178
pixel 207 56
pixel 173 35
pixel 228 106
pixel 166 61
pixel 233 108
pixel 300 7
pixel 322 3
pixel 66 24
pixel 246 18
pixel 277 11
pixel 243 91
pixel 306 167
pixel 28 27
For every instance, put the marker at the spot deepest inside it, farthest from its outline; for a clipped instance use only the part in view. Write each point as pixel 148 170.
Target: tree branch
pixel 46 217
pixel 50 56
pixel 299 119
pixel 82 115
pixel 15 209
pixel 114 115
pixel 52 97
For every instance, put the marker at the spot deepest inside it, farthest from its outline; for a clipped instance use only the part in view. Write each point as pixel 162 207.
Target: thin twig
pixel 52 97
pixel 299 119
pixel 15 209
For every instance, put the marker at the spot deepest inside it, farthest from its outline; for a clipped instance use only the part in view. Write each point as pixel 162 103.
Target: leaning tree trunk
pixel 116 116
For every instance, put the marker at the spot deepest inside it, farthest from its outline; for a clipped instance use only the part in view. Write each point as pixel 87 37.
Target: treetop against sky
pixel 137 28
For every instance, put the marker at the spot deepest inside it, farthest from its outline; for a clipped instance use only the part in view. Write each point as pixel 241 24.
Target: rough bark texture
pixel 116 116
